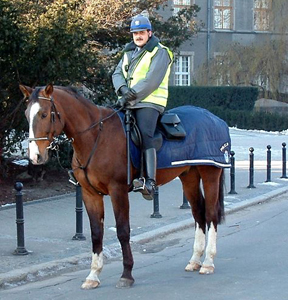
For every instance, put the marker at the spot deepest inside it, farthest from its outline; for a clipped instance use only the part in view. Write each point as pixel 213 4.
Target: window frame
pixel 223 8
pixel 220 80
pixel 188 74
pixel 178 5
pixel 264 14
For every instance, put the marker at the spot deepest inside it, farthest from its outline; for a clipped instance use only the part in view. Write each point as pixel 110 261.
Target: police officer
pixel 141 80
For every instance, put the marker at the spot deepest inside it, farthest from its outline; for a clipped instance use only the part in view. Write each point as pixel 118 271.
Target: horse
pixel 100 166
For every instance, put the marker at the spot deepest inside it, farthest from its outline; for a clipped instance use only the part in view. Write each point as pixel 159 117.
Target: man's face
pixel 140 38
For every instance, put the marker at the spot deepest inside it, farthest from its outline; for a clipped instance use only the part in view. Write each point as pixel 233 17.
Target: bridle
pixel 54 144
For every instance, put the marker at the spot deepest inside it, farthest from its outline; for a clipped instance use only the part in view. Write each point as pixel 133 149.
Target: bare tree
pixel 263 64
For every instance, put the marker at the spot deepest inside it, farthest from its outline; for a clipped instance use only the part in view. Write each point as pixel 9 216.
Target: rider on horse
pixel 141 80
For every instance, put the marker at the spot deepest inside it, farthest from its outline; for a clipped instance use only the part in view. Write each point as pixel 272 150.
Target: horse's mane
pixel 70 90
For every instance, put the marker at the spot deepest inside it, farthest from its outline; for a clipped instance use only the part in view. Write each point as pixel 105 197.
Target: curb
pixel 41 271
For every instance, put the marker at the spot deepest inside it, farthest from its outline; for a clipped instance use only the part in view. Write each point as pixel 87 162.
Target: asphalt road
pixel 251 264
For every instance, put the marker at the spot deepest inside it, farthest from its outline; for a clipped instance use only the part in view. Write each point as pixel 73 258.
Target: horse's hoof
pixel 206 270
pixel 124 283
pixel 90 284
pixel 193 266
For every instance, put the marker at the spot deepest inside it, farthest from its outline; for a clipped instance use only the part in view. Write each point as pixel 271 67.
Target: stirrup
pixel 72 178
pixel 139 185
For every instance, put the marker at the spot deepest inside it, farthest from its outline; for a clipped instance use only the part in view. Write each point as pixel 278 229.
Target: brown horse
pixel 100 166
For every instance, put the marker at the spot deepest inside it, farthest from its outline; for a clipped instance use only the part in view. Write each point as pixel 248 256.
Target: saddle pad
pixel 207 141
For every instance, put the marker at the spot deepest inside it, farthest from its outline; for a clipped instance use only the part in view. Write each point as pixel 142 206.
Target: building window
pixel 222 72
pixel 182 70
pixel 180 4
pixel 262 15
pixel 223 14
pixel 263 81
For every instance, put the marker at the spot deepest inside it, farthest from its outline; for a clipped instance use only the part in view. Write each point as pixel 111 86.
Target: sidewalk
pixel 50 226
pixel 50 223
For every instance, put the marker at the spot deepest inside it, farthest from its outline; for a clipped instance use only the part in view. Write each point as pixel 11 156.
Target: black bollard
pixel 20 250
pixel 185 204
pixel 156 213
pixel 284 161
pixel 232 173
pixel 79 215
pixel 268 164
pixel 251 169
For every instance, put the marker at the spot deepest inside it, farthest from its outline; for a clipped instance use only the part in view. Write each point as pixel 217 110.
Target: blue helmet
pixel 140 23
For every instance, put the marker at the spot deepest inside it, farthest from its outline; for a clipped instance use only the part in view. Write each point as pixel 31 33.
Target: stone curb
pixel 29 274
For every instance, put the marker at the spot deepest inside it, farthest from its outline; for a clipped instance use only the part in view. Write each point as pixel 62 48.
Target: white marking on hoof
pixel 90 284
pixel 198 250
pixel 206 270
pixel 208 264
pixel 92 281
pixel 193 266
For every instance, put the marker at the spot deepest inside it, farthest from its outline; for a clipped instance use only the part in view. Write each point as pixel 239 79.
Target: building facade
pixel 225 22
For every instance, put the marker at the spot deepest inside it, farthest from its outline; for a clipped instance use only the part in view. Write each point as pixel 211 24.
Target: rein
pixel 84 168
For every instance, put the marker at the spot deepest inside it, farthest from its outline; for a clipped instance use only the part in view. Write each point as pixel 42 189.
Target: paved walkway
pixel 50 223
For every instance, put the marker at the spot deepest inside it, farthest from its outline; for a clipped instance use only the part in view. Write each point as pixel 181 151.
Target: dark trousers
pixel 146 118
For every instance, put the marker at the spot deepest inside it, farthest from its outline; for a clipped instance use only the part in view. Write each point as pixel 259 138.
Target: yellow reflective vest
pixel 160 95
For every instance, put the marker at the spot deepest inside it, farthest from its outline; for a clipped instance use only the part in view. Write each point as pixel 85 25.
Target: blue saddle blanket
pixel 207 141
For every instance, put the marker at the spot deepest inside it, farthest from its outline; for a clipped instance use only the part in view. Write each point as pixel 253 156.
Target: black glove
pixel 128 93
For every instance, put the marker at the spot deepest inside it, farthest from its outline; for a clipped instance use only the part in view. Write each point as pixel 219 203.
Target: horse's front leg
pixel 120 203
pixel 95 210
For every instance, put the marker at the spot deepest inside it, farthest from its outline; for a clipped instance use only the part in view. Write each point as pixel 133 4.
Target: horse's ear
pixel 26 90
pixel 48 90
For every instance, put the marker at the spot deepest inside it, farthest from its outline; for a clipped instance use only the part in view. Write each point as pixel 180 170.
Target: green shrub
pixel 227 97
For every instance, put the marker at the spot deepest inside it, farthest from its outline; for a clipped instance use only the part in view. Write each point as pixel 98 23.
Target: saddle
pixel 168 127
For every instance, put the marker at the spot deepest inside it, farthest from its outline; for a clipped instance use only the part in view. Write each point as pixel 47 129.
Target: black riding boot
pixel 147 186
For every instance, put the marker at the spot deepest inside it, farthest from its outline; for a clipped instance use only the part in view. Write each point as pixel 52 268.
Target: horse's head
pixel 44 121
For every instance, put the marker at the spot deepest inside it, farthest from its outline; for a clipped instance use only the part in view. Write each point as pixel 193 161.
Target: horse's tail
pixel 221 213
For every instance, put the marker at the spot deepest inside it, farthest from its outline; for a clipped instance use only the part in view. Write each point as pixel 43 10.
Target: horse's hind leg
pixel 121 211
pixel 211 178
pixel 191 188
pixel 95 210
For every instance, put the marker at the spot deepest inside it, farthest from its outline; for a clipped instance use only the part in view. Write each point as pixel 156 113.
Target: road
pixel 251 264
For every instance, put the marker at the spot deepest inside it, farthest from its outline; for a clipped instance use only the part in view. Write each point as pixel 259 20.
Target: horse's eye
pixel 44 115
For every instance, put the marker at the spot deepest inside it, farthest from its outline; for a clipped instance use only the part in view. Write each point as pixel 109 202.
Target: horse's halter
pixel 53 143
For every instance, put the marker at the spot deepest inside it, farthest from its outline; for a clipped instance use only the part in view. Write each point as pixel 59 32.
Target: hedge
pixel 227 97
pixel 232 104
pixel 252 120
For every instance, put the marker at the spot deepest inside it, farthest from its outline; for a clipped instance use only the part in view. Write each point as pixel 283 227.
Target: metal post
pixel 251 169
pixel 20 250
pixel 185 204
pixel 268 164
pixel 156 213
pixel 232 174
pixel 79 216
pixel 284 161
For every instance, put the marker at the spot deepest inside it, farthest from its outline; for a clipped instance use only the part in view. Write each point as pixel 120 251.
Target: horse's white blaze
pixel 33 148
pixel 199 245
pixel 211 246
pixel 96 267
